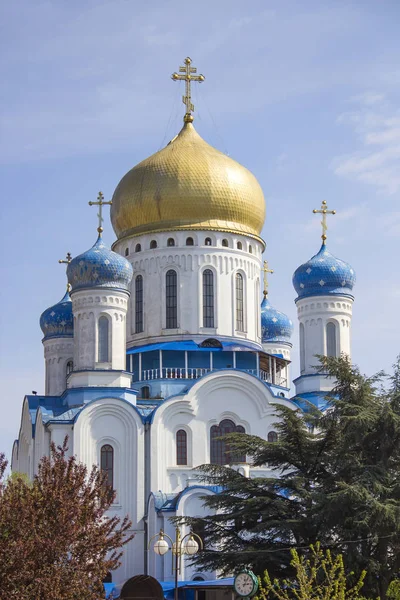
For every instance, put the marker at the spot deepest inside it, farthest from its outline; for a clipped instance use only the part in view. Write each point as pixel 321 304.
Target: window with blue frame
pixel 171 292
pixel 139 304
pixel 208 298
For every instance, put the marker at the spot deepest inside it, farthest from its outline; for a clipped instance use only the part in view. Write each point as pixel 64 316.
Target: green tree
pixel 320 576
pixel 56 542
pixel 336 479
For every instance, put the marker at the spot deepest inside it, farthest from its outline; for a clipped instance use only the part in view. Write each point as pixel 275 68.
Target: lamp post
pixel 182 545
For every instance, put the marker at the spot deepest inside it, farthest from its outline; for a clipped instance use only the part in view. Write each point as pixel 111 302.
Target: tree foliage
pixel 56 542
pixel 320 576
pixel 334 477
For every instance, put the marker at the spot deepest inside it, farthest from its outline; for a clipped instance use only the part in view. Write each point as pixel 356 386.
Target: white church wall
pixel 57 353
pixel 115 422
pixel 189 262
pixel 220 395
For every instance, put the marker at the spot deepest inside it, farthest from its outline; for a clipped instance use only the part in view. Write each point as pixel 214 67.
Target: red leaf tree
pixel 56 542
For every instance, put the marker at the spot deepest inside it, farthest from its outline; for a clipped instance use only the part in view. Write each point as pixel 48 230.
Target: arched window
pixel 145 392
pixel 189 241
pixel 181 447
pixel 302 349
pixel 239 303
pixel 208 298
pixel 239 245
pixel 225 243
pixel 153 244
pixel 139 304
pixel 103 343
pixel 170 242
pixel 126 251
pixel 70 367
pixel 220 453
pixel 171 293
pixel 250 249
pixel 138 248
pixel 331 345
pixel 272 436
pixel 107 463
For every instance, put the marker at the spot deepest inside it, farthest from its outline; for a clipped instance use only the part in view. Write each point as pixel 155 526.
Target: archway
pixel 142 587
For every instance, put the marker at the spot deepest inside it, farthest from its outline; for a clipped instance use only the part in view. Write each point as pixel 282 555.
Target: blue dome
pixel 57 321
pixel 324 274
pixel 275 325
pixel 99 267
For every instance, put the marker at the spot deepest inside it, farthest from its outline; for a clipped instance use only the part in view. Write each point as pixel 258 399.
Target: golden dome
pixel 188 185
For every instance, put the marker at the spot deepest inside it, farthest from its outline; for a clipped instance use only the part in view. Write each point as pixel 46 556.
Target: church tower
pixel 324 286
pixel 100 280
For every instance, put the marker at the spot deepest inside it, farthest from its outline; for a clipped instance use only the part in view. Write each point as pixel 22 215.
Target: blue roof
pixel 190 345
pixel 99 267
pixel 58 321
pixel 324 274
pixel 319 400
pixel 275 325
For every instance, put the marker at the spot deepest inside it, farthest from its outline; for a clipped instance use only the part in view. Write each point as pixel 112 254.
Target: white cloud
pixel 377 125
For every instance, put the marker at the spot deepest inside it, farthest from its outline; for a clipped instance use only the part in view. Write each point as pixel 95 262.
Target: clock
pixel 245 584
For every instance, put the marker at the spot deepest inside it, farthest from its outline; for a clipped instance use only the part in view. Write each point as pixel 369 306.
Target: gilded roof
pixel 188 185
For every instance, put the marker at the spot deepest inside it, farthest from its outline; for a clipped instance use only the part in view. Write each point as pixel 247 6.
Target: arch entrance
pixel 142 587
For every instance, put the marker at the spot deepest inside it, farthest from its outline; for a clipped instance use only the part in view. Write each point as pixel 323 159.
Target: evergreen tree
pixel 56 542
pixel 336 479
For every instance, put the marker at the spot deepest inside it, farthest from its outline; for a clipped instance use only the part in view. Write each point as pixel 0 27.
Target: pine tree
pixel 336 480
pixel 56 542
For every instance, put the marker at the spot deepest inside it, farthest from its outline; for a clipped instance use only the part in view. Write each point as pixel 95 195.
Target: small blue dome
pixel 324 274
pixel 99 267
pixel 57 321
pixel 275 325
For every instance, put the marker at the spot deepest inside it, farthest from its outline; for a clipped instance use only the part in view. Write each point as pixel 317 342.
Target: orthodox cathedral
pixel 161 344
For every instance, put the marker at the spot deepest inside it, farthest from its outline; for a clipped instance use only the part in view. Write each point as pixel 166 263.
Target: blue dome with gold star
pixel 275 325
pixel 57 321
pixel 99 267
pixel 322 275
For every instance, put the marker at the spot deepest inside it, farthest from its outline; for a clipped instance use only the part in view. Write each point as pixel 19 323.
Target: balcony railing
pixel 196 373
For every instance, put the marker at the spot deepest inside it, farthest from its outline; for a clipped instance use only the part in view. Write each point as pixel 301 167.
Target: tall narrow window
pixel 145 392
pixel 138 248
pixel 69 369
pixel 126 251
pixel 208 298
pixel 220 453
pixel 181 447
pixel 103 349
pixel 239 302
pixel 239 246
pixel 153 244
pixel 331 339
pixel 107 463
pixel 302 349
pixel 139 304
pixel 189 241
pixel 208 242
pixel 171 300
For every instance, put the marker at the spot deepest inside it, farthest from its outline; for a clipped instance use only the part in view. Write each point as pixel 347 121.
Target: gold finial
pixel 100 203
pixel 324 211
pixel 67 260
pixel 188 77
pixel 266 271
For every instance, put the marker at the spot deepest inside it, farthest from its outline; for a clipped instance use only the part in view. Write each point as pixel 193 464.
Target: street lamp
pixel 189 544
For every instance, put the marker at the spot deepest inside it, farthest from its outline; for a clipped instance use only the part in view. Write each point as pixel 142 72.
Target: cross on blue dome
pixel 57 321
pixel 322 275
pixel 99 267
pixel 275 325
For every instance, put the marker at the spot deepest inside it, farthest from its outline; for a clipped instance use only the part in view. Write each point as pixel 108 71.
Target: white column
pixel 186 364
pixel 211 361
pixel 160 359
pixel 258 363
pixel 234 359
pixel 140 366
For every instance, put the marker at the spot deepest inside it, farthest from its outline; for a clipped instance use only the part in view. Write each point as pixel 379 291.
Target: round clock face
pixel 244 584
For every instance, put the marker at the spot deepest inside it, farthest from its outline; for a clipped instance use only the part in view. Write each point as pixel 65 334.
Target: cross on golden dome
pixel 100 203
pixel 266 271
pixel 324 211
pixel 188 77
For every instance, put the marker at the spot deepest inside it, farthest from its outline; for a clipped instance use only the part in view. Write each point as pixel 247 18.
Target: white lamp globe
pixel 191 546
pixel 161 547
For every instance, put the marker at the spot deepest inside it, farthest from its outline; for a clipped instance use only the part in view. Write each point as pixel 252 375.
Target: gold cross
pixel 67 260
pixel 266 271
pixel 100 203
pixel 188 77
pixel 324 211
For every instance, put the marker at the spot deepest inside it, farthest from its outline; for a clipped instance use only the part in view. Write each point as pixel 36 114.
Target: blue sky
pixel 306 95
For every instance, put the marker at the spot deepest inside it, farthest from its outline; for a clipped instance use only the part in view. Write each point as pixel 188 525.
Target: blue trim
pixel 326 375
